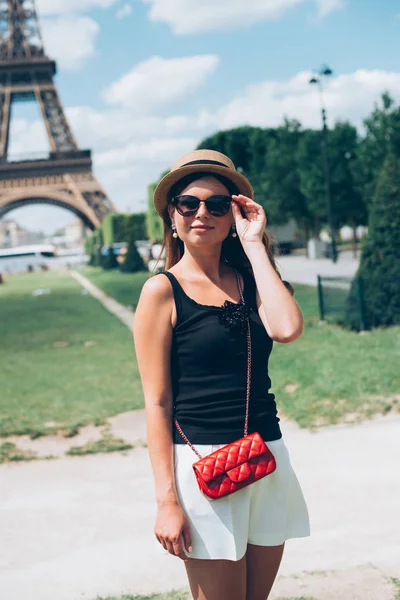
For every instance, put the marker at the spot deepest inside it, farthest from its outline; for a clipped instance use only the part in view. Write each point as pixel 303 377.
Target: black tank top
pixel 209 372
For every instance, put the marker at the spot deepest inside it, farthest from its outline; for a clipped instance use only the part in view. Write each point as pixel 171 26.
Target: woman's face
pixel 217 227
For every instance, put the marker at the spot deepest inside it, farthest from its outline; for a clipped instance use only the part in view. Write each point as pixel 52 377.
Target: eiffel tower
pixel 64 177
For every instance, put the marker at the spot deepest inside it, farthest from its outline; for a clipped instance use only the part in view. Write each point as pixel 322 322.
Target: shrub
pixel 133 261
pixel 380 253
pixel 109 260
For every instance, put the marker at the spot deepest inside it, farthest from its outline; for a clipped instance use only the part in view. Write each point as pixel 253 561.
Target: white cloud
pixel 158 82
pixel 70 40
pixel 194 16
pixel 131 152
pixel 156 149
pixel 327 6
pixel 58 7
pixel 70 37
pixel 350 96
pixel 124 11
pixel 110 127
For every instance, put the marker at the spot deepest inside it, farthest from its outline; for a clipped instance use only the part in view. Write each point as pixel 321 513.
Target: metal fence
pixel 333 295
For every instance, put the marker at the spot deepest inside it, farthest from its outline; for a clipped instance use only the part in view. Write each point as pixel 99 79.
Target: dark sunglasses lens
pixel 187 205
pixel 218 205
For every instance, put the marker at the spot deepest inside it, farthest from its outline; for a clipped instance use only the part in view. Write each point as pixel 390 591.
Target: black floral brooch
pixel 235 316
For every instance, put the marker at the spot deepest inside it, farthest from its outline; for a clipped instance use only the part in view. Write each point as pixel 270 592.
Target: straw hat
pixel 198 161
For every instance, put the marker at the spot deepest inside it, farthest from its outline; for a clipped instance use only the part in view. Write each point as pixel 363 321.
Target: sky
pixel 144 81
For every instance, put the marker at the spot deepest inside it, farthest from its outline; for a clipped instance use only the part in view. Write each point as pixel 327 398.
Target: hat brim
pixel 162 189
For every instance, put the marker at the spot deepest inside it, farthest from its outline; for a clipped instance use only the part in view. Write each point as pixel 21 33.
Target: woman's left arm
pixel 283 319
pixel 279 311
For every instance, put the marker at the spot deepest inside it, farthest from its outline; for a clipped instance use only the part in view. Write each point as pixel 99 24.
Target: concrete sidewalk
pixel 77 527
pixel 300 269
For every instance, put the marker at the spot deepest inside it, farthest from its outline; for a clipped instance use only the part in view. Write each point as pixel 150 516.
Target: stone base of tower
pixel 80 193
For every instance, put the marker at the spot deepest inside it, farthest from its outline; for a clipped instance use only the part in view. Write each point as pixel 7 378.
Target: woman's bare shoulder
pixel 156 298
pixel 157 288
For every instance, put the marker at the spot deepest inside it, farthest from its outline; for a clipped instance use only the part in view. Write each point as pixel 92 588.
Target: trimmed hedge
pixel 109 261
pixel 119 227
pixel 154 224
pixel 114 228
pixel 93 247
pixel 133 261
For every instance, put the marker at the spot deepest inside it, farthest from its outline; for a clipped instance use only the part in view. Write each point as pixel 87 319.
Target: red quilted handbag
pixel 239 463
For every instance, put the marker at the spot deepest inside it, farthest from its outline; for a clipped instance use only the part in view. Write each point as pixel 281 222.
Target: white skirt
pixel 265 513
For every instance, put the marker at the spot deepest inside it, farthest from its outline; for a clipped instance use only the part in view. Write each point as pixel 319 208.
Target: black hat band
pixel 205 162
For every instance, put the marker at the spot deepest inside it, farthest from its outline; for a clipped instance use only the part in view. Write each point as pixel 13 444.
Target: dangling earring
pixel 234 234
pixel 175 235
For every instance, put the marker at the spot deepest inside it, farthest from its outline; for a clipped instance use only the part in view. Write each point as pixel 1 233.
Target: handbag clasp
pixel 240 473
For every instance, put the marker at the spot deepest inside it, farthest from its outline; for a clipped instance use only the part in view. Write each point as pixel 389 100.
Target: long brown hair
pixel 232 249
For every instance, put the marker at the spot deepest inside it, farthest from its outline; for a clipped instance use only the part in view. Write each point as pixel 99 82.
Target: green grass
pixel 46 386
pixel 108 443
pixel 124 287
pixel 336 372
pixel 10 452
pixel 396 583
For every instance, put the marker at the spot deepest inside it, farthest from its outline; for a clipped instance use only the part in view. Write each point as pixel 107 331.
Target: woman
pixel 192 357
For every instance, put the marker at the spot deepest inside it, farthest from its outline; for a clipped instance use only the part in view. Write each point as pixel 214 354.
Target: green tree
pixel 234 143
pixel 284 198
pixel 97 244
pixel 154 225
pixel 109 260
pixel 348 205
pixel 248 148
pixel 382 137
pixel 133 261
pixel 260 142
pixel 118 227
pixel 311 179
pixel 380 259
pixel 285 167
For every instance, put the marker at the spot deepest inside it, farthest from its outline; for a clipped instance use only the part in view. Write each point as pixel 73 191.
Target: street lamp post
pixel 325 72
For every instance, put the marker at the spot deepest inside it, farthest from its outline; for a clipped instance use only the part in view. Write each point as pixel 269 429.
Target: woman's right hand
pixel 172 529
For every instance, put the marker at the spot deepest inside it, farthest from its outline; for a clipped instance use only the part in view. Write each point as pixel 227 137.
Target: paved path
pixel 300 269
pixel 80 526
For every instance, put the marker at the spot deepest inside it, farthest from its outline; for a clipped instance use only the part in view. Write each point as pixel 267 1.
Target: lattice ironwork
pixel 99 202
pixel 64 176
pixel 20 36
pixel 5 108
pixel 59 132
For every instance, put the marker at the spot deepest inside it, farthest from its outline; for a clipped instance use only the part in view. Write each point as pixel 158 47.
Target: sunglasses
pixel 187 206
